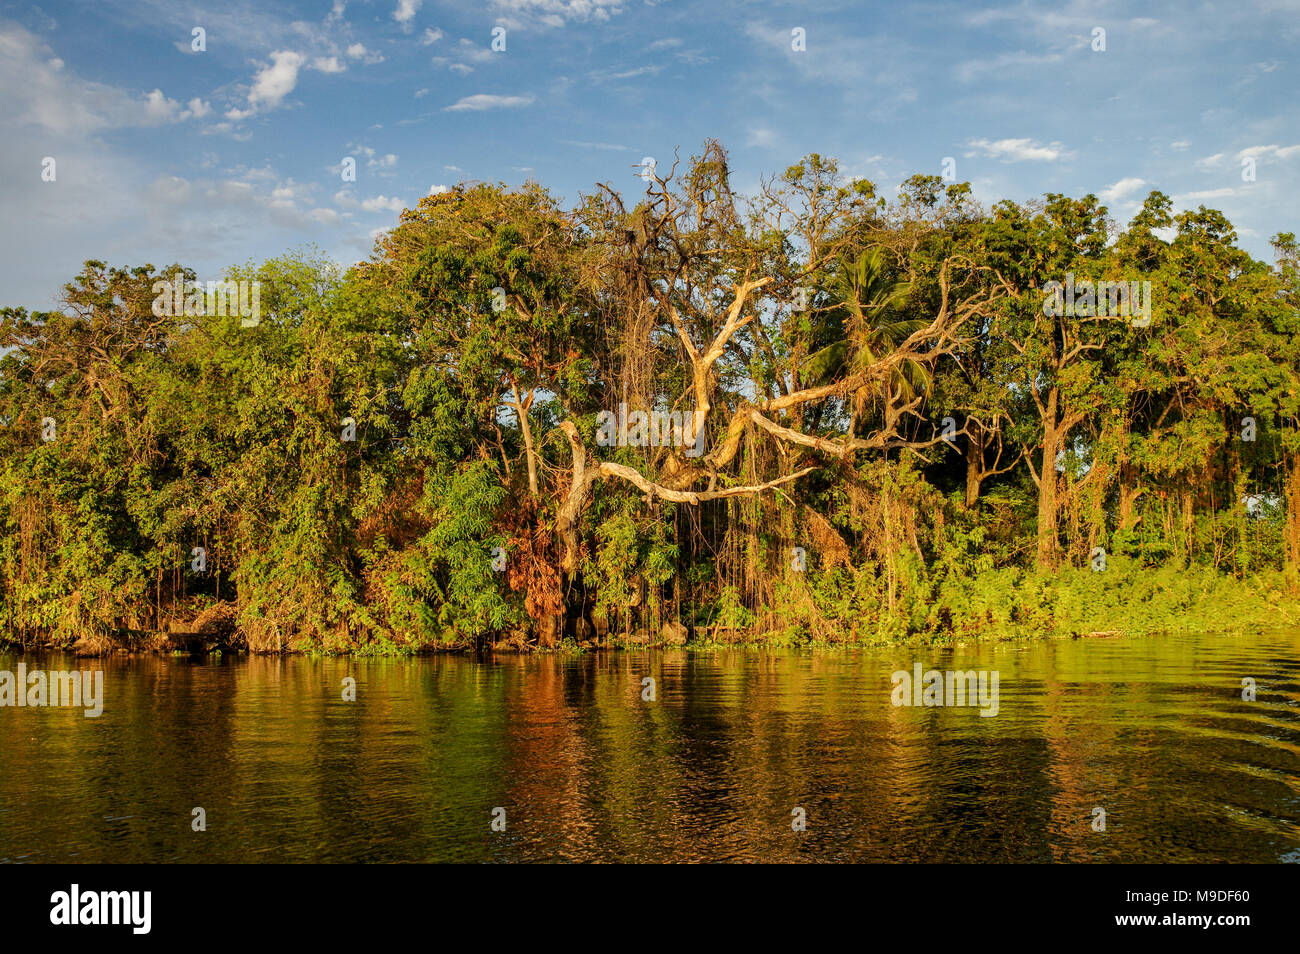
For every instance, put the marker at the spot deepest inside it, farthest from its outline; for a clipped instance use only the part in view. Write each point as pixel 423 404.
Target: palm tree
pixel 864 326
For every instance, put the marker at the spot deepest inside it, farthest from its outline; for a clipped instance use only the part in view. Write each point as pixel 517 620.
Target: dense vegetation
pixel 903 434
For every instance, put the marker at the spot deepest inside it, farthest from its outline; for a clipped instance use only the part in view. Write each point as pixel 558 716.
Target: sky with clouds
pixel 234 153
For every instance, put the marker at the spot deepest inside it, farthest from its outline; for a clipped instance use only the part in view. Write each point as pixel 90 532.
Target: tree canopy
pixel 837 416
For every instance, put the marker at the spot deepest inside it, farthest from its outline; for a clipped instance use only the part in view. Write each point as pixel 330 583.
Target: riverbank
pixel 995 606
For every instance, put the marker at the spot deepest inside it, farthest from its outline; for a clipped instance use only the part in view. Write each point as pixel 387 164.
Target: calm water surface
pixel 1152 730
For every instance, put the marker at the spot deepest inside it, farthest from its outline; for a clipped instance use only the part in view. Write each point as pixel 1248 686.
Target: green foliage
pixel 474 350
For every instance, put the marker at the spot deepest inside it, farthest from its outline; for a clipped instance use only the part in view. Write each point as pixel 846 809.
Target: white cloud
pixel 358 51
pixel 328 64
pixel 462 55
pixel 1179 146
pixel 1209 162
pixel 601 76
pixel 694 57
pixel 1205 194
pixel 1280 152
pixel 115 198
pixel 482 101
pixel 383 162
pixel 439 189
pixel 469 50
pixel 1073 22
pixel 169 190
pixel 275 82
pixel 262 174
pixel 382 203
pixel 379 203
pixel 431 36
pixel 554 13
pixel 1125 186
pixel 406 10
pixel 229 191
pixel 196 109
pixel 161 109
pixel 39 90
pixel 1019 150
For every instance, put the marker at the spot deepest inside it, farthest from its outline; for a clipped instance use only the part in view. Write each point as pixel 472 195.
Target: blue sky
pixel 217 157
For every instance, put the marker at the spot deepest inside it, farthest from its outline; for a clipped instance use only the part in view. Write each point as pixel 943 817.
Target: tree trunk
pixel 567 517
pixel 1047 516
pixel 532 456
pixel 1128 495
pixel 974 462
pixel 522 406
pixel 1293 522
pixel 1047 487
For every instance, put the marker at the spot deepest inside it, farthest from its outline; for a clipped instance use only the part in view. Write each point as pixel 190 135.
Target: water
pixel 1154 731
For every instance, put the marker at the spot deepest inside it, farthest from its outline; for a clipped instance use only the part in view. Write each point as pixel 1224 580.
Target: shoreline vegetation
pixel 809 415
pixel 1070 605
